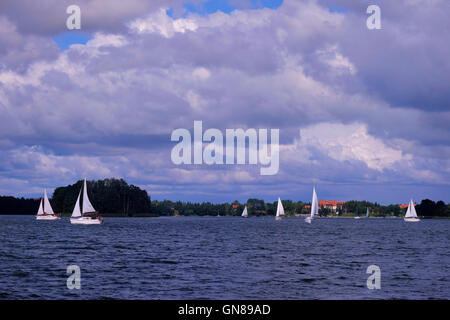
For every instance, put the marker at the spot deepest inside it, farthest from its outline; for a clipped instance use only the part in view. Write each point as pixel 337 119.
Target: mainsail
pixel 244 213
pixel 76 211
pixel 280 209
pixel 367 213
pixel 411 212
pixel 314 204
pixel 87 206
pixel 47 206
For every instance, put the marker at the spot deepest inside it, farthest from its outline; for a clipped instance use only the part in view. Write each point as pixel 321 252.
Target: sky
pixel 363 114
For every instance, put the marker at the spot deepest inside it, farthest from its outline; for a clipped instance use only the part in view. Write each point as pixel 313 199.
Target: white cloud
pixel 160 22
pixel 42 165
pixel 100 40
pixel 335 59
pixel 195 100
pixel 201 73
pixel 351 142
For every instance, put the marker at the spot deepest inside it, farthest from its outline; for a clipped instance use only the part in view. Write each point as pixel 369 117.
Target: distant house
pixel 332 205
pixel 234 206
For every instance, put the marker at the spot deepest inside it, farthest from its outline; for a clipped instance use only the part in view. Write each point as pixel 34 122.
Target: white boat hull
pixel 308 220
pixel 411 219
pixel 47 217
pixel 86 220
pixel 357 217
pixel 277 218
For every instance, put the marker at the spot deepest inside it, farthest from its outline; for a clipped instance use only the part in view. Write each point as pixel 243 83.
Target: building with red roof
pixel 332 205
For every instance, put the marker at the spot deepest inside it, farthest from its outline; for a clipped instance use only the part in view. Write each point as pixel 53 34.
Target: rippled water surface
pixel 224 258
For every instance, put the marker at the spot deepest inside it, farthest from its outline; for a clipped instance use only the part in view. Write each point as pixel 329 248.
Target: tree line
pixel 257 207
pixel 426 208
pixel 116 198
pixel 109 197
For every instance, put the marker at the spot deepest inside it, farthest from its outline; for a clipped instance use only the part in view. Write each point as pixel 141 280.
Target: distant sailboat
pixel 411 215
pixel 45 211
pixel 245 213
pixel 314 207
pixel 280 210
pixel 367 214
pixel 89 214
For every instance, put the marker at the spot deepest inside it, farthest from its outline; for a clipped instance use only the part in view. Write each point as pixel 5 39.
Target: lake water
pixel 224 258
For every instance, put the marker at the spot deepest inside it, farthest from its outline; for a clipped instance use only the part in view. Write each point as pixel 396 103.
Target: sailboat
pixel 45 211
pixel 244 213
pixel 89 215
pixel 411 215
pixel 314 207
pixel 280 210
pixel 367 214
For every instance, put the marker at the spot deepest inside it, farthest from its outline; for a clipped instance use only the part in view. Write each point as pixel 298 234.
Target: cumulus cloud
pixel 161 23
pixel 333 58
pixel 48 17
pixel 351 142
pixel 107 108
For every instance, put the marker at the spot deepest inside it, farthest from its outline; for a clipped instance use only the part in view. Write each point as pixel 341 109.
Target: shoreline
pixel 236 216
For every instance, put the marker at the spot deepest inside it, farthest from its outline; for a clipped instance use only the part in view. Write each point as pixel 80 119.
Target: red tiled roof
pixel 405 205
pixel 330 202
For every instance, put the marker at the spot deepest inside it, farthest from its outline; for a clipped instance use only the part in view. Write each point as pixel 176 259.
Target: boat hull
pixel 308 220
pixel 86 221
pixel 277 218
pixel 411 219
pixel 47 217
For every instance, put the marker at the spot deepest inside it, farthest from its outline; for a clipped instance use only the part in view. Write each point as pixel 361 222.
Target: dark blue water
pixel 224 258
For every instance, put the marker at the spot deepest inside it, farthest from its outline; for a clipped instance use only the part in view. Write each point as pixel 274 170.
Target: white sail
pixel 76 210
pixel 411 212
pixel 41 208
pixel 244 213
pixel 87 206
pixel 413 209
pixel 408 211
pixel 314 204
pixel 367 213
pixel 47 206
pixel 280 209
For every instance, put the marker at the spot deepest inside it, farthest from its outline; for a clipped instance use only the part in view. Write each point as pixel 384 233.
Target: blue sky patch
pixel 66 39
pixel 335 9
pixel 226 6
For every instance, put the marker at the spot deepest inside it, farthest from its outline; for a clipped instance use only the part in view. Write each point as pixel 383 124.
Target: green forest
pixel 115 197
pixel 257 207
pixel 108 196
pixel 112 197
